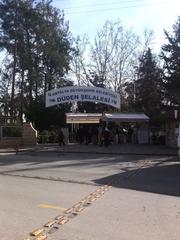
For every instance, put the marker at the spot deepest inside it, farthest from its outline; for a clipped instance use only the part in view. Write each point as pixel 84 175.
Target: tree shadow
pixel 67 159
pixel 27 164
pixel 161 178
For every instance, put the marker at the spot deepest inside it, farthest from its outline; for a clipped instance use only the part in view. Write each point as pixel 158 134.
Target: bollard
pixel 17 149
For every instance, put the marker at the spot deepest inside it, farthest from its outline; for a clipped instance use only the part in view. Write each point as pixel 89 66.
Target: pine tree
pixel 37 39
pixel 9 33
pixel 171 56
pixel 148 86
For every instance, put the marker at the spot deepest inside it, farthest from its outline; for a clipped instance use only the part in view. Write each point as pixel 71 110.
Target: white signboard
pixel 82 94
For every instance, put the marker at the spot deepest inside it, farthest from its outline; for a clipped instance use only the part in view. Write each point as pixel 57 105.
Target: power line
pixel 102 4
pixel 113 9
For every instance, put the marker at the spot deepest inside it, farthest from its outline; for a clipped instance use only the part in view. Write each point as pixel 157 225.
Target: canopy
pixel 94 118
pixel 88 118
pixel 126 117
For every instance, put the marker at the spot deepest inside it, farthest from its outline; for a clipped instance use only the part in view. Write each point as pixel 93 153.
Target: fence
pixel 10 131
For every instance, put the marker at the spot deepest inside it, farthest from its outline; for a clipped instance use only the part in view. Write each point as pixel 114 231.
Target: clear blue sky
pixel 86 16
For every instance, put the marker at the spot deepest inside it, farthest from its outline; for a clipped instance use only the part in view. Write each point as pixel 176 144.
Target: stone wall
pixel 28 139
pixel 10 142
pixel 29 135
pixel 171 139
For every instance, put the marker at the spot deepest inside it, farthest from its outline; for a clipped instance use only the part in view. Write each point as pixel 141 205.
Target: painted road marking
pixel 63 221
pixel 42 237
pixel 78 207
pixel 69 213
pixel 37 232
pixel 50 223
pixel 52 207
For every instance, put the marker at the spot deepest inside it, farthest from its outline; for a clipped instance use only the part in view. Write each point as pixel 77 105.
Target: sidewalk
pixel 129 149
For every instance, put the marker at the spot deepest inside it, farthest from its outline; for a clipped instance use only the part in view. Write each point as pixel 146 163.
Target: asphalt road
pixel 142 204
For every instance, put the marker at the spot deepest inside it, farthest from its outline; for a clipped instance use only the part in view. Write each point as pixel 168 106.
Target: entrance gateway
pixel 139 120
pixel 97 95
pixel 82 94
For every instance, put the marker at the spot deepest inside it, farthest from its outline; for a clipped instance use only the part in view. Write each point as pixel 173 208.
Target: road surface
pixel 141 203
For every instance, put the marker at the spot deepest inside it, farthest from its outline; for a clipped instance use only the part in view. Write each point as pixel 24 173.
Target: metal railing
pixel 10 131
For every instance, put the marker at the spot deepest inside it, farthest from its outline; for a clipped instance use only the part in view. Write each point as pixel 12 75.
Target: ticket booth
pixel 138 122
pixel 78 120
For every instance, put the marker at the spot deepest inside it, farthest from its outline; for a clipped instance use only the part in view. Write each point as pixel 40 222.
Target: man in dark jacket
pixel 61 138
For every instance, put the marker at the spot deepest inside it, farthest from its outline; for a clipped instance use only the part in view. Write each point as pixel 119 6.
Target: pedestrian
pixel 107 137
pixel 61 138
pixel 117 140
pixel 130 133
pixel 88 135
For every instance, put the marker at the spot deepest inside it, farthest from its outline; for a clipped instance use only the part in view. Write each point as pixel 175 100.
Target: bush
pixel 43 137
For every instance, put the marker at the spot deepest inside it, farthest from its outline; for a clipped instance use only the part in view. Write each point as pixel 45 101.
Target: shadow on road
pixel 68 160
pixel 161 175
pixel 163 178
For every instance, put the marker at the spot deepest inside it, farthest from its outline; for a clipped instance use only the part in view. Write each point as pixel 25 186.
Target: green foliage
pixel 128 103
pixel 148 86
pixel 171 56
pixel 46 136
pixel 44 118
pixel 43 137
pixel 90 107
pixel 38 46
pixel 37 40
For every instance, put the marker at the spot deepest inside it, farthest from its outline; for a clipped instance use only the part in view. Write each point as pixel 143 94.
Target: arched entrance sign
pixel 82 94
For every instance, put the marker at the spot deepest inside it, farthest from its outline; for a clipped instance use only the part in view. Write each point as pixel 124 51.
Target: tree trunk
pixel 13 81
pixel 21 98
pixel 30 70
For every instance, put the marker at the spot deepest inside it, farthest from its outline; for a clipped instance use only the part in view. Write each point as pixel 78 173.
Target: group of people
pixel 116 135
pixel 103 136
pixel 87 135
pixel 95 135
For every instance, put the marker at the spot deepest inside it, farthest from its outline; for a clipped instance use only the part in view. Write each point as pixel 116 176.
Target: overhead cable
pixel 114 9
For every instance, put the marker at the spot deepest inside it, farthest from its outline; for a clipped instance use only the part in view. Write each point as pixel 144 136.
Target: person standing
pixel 61 138
pixel 107 136
pixel 130 133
